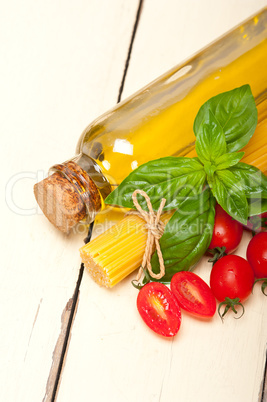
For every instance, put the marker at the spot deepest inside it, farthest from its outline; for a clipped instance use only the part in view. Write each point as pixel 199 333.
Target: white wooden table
pixel 62 65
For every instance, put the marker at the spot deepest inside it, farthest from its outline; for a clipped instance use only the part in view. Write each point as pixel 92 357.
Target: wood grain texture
pixel 112 355
pixel 62 68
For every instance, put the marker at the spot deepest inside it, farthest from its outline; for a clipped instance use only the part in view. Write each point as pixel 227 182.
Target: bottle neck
pixel 74 191
pixel 94 171
pixel 83 173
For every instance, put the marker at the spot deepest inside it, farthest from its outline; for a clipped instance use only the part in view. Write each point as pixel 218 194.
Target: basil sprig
pixel 223 125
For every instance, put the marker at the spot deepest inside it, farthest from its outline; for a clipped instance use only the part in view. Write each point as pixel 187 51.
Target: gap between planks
pixel 137 19
pixel 61 347
pixel 263 397
pixel 70 309
pixel 69 312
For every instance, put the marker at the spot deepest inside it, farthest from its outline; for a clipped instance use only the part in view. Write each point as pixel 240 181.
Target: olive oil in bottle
pixel 156 122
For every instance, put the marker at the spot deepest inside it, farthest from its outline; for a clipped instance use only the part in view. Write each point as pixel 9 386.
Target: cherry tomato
pixel 193 294
pixel 159 309
pixel 257 223
pixel 226 232
pixel 257 254
pixel 231 277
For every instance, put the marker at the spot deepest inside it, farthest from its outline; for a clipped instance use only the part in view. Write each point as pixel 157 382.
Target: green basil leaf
pixel 187 235
pixel 257 206
pixel 210 143
pixel 236 112
pixel 230 195
pixel 171 178
pixel 227 160
pixel 252 181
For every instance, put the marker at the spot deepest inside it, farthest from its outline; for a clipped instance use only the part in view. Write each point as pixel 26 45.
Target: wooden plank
pixel 169 32
pixel 207 360
pixel 62 68
pixel 112 355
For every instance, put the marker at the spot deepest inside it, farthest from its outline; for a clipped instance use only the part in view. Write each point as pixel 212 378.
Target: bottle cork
pixel 68 196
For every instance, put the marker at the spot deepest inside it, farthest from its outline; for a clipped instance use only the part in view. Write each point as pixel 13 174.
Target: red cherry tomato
pixel 231 277
pixel 159 309
pixel 226 232
pixel 257 254
pixel 193 294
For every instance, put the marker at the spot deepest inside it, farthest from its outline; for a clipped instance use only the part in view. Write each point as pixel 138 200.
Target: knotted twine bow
pixel 155 230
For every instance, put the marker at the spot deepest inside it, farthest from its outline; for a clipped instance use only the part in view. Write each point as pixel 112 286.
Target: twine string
pixel 155 229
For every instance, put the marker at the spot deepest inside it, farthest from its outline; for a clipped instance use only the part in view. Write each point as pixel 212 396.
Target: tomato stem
pixel 217 252
pixel 146 279
pixel 230 304
pixel 263 286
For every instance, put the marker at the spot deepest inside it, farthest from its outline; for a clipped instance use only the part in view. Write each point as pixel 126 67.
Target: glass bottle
pixel 157 121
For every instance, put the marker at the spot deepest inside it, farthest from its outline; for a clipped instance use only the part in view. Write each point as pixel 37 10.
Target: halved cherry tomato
pixel 159 309
pixel 193 294
pixel 227 232
pixel 257 254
